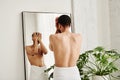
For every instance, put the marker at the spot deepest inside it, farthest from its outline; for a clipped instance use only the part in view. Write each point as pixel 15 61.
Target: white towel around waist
pixel 66 73
pixel 37 73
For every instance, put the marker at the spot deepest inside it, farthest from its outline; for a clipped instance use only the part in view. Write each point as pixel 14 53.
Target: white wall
pixel 11 43
pixel 85 19
pixel 103 23
pixel 91 18
pixel 115 23
pixel 115 26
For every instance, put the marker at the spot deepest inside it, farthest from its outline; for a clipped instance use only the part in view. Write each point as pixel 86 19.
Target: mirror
pixel 38 24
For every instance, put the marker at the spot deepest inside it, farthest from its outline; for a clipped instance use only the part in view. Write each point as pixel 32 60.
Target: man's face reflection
pixel 36 36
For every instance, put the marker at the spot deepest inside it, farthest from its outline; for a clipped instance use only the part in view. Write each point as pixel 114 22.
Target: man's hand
pixel 56 24
pixel 39 37
pixel 56 21
pixel 35 37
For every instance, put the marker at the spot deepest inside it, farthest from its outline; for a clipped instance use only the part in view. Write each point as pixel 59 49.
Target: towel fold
pixel 66 73
pixel 37 73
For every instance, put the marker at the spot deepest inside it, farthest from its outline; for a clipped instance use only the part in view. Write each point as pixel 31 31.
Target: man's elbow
pixel 51 49
pixel 45 52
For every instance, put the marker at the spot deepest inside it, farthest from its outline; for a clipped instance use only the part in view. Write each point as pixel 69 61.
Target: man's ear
pixel 60 26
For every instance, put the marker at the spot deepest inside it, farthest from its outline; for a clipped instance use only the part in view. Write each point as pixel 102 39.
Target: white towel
pixel 37 73
pixel 66 73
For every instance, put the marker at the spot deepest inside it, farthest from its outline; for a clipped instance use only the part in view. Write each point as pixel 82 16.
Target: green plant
pixel 48 70
pixel 97 62
pixel 83 59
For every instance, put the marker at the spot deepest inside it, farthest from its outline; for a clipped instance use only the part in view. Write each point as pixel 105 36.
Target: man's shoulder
pixel 77 34
pixel 54 35
pixel 28 47
pixel 51 36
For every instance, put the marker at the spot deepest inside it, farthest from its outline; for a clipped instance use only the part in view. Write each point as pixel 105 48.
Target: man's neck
pixel 34 44
pixel 66 30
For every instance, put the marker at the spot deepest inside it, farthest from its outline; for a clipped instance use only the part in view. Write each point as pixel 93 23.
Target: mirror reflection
pixel 38 56
pixel 35 53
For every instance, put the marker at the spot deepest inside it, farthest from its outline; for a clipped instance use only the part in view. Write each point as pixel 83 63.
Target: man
pixel 66 48
pixel 35 53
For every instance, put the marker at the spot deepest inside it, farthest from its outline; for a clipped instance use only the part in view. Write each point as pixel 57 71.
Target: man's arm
pixel 50 40
pixel 43 48
pixel 27 50
pixel 36 46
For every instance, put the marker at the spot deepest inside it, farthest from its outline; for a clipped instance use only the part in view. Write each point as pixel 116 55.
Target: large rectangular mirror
pixel 38 24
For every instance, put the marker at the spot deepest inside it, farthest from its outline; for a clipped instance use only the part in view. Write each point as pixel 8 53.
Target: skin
pixel 66 46
pixel 36 51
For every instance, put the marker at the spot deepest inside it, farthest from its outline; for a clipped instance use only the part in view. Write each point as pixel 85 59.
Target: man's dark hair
pixel 64 20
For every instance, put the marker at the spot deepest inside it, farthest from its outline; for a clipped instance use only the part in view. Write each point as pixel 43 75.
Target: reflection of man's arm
pixel 26 49
pixel 50 45
pixel 43 49
pixel 36 46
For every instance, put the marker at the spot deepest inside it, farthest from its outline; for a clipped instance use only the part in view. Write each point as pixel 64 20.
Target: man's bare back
pixel 66 48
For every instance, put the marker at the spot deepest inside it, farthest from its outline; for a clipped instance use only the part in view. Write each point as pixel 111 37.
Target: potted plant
pixel 81 62
pixel 49 70
pixel 99 63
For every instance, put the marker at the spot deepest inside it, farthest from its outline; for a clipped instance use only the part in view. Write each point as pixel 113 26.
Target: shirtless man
pixel 35 53
pixel 66 48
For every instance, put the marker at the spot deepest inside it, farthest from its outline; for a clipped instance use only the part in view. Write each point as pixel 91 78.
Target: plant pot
pixel 96 77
